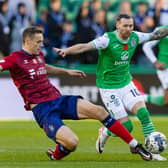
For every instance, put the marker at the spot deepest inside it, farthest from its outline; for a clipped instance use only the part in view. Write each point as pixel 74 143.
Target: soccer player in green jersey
pixel 161 64
pixel 118 92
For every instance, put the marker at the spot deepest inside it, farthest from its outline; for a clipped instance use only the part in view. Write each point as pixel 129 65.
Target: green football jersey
pixel 163 50
pixel 114 61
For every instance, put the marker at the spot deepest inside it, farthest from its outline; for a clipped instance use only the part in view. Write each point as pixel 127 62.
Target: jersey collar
pixel 26 53
pixel 122 41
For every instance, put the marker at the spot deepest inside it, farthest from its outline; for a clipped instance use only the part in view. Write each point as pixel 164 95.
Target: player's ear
pixel 28 40
pixel 117 24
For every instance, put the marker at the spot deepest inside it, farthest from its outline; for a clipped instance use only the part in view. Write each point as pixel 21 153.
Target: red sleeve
pixel 8 62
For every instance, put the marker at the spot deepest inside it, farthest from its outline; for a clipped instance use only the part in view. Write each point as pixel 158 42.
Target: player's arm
pixel 159 33
pixel 56 70
pixel 75 49
pixel 98 43
pixel 8 62
pixel 148 50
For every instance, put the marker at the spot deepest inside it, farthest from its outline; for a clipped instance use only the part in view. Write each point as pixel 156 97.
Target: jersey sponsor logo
pixel 40 71
pixel 124 57
pixel 121 62
pixel 32 73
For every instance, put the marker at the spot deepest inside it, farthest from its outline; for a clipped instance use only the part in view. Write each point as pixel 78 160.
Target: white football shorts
pixel 119 101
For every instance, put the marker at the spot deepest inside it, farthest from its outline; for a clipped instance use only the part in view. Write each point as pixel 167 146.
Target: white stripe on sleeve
pixel 101 42
pixel 143 37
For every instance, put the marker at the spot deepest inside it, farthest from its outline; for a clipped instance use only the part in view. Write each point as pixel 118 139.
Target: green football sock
pixel 128 125
pixel 158 100
pixel 144 117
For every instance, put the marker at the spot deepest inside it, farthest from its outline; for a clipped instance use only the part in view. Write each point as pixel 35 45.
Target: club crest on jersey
pixel 133 42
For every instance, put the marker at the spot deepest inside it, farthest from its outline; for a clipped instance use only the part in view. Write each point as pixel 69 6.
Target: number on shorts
pixel 134 92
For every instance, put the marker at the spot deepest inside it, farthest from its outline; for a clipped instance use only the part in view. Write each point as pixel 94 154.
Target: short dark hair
pixel 125 16
pixel 31 31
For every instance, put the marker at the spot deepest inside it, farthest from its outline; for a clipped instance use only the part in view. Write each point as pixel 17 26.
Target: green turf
pixel 23 145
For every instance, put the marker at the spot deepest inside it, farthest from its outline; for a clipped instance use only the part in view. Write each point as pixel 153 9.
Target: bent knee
pixel 72 143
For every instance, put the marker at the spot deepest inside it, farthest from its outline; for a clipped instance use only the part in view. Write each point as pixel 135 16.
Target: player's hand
pixel 77 73
pixel 159 65
pixel 61 52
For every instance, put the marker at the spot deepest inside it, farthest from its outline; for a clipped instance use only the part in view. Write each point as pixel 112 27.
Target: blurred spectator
pixel 18 22
pixel 99 25
pixel 143 22
pixel 30 6
pixel 55 20
pixel 4 29
pixel 68 39
pixel 67 35
pixel 159 12
pixel 83 25
pixel 42 21
pixel 85 4
pixel 125 8
pixel 83 31
pixel 94 7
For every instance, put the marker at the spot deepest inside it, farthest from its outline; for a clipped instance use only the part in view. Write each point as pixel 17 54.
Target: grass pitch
pixel 23 145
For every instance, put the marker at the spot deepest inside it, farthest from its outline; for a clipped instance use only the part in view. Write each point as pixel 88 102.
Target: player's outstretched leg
pixel 116 127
